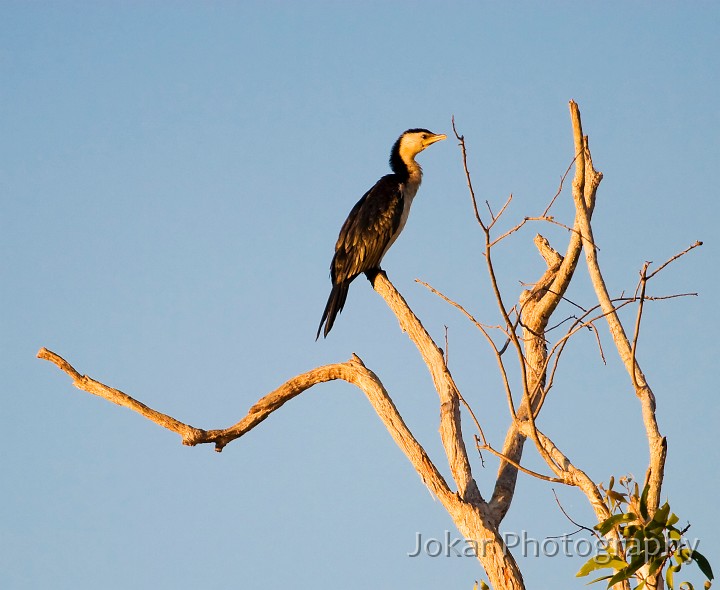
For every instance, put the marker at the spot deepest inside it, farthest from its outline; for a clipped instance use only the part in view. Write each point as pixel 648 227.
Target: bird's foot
pixel 372 273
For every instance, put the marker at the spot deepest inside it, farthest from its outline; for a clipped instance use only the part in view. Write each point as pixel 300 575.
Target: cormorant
pixel 376 220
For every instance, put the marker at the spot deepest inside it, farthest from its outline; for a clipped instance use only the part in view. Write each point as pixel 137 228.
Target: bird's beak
pixel 433 138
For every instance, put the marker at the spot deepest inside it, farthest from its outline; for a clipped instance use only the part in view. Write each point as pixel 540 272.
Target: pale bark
pixel 466 507
pixel 450 427
pixel 538 306
pixel 656 442
pixel 352 371
pixel 478 520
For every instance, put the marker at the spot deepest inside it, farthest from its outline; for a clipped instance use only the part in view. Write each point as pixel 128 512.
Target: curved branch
pixel 352 371
pixel 470 517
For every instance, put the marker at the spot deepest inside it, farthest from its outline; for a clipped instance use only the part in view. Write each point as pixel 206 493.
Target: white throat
pixel 409 189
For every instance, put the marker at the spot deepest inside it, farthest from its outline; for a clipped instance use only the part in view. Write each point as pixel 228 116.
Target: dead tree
pixel 527 348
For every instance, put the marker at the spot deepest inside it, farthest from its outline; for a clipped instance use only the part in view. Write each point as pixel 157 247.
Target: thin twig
pixel 636 334
pixel 489 208
pixel 674 258
pixel 547 219
pixel 472 415
pixel 447 347
pixel 562 181
pixel 486 447
pixel 663 297
pixel 577 524
pixel 560 323
pixel 599 343
pixel 461 139
pixel 502 210
pixel 510 231
pixel 491 342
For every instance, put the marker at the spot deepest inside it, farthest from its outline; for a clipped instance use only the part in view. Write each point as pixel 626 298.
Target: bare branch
pixel 484 446
pixel 538 306
pixel 491 342
pixel 447 348
pixel 489 208
pixel 570 474
pixel 353 371
pixel 550 220
pixel 674 258
pixel 577 524
pixel 509 232
pixel 560 188
pixel 656 442
pixel 663 297
pixel 461 139
pixel 584 186
pixel 636 335
pixel 599 343
pixel 450 427
pixel 467 509
pixel 189 434
pixel 499 215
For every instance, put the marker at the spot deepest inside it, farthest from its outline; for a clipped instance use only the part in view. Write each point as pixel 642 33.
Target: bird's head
pixel 413 141
pixel 410 144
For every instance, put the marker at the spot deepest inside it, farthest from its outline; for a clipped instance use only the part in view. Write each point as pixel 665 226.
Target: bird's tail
pixel 334 306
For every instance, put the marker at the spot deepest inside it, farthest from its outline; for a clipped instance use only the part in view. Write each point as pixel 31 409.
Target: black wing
pixel 368 230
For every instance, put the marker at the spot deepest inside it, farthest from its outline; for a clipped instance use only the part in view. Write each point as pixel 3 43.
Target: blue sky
pixel 173 177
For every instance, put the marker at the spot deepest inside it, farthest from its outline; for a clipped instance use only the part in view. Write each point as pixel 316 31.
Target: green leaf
pixel 655 544
pixel 661 514
pixel 686 586
pixel 589 566
pixel 611 483
pixel 618 577
pixel 600 562
pixel 636 545
pixel 672 519
pixel 636 564
pixel 643 501
pixel 703 564
pixel 626 573
pixel 598 579
pixel 614 520
pixel 670 576
pixel 682 555
pixel 675 534
pixel 629 530
pixel 617 496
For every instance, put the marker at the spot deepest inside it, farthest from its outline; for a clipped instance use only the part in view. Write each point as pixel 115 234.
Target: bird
pixel 376 220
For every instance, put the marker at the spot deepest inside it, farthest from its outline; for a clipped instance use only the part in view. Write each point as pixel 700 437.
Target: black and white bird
pixel 376 220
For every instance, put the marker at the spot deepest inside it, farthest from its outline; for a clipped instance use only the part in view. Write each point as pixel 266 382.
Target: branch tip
pixel 354 358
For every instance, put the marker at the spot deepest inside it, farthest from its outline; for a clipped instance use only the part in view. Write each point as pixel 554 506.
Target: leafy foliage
pixel 646 544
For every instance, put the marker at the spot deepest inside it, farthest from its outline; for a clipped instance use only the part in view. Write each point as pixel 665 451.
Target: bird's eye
pixel 424 135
